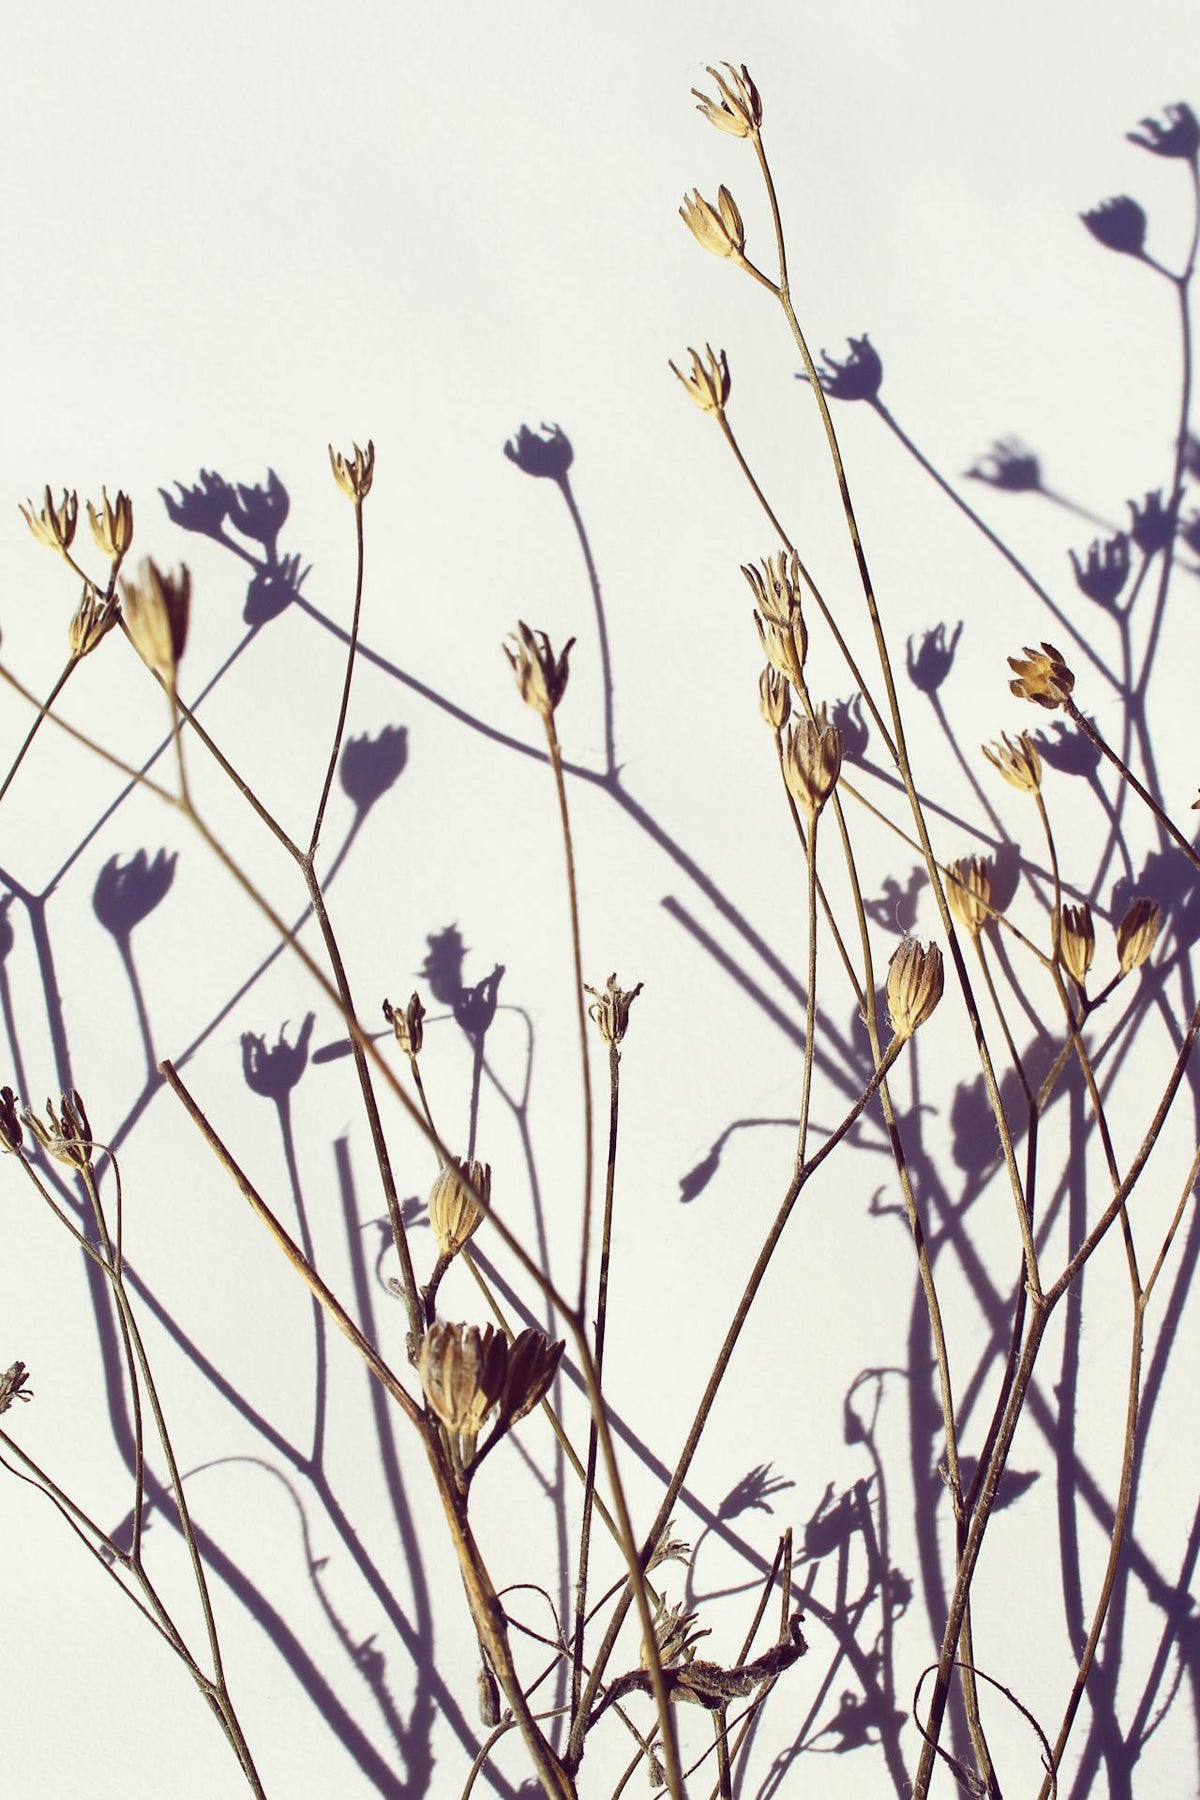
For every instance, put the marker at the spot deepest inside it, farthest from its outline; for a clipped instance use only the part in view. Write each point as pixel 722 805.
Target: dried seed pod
pixel 354 474
pixel 914 985
pixel 969 892
pixel 1017 760
pixel 718 228
pixel 774 698
pixel 1041 676
pixel 708 384
pixel 532 1365
pixel 112 524
pixel 408 1025
pixel 68 1139
pixel 737 104
pixel 462 1370
pixel 812 761
pixel 1137 933
pixel 609 1010
pixel 93 619
pixel 779 615
pixel 155 608
pixel 541 676
pixel 53 525
pixel 1077 942
pixel 455 1212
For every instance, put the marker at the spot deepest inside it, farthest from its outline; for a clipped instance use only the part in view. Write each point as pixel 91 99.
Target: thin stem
pixel 351 657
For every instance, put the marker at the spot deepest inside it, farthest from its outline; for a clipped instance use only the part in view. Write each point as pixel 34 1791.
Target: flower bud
pixel 1041 676
pixel 774 698
pixel 408 1025
pixel 914 985
pixel 969 892
pixel 354 474
pixel 812 761
pixel 718 228
pixel 708 384
pixel 1137 933
pixel 1077 942
pixel 541 676
pixel 112 525
pixel 155 608
pixel 1017 760
pixel 737 106
pixel 609 1011
pixel 455 1212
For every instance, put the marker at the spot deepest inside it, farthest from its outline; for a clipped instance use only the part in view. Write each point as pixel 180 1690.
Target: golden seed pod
pixel 1017 760
pixel 708 384
pixel 541 676
pixel 354 474
pixel 155 608
pixel 93 619
pixel 779 612
pixel 1137 933
pixel 1077 942
pixel 969 892
pixel 718 228
pixel 774 698
pixel 112 525
pixel 455 1212
pixel 462 1370
pixel 812 762
pixel 532 1365
pixel 67 1138
pixel 609 1010
pixel 914 985
pixel 54 525
pixel 408 1024
pixel 1041 676
pixel 737 106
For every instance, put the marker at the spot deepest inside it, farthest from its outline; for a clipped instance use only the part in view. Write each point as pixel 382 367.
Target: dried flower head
pixel 463 1369
pixel 541 676
pixel 718 228
pixel 92 620
pixel 1017 760
pixel 408 1024
pixel 774 698
pixel 354 474
pixel 969 892
pixel 112 525
pixel 1137 933
pixel 1041 676
pixel 67 1138
pixel 914 985
pixel 779 614
pixel 812 762
pixel 675 1634
pixel 736 107
pixel 708 384
pixel 669 1549
pixel 155 608
pixel 609 1010
pixel 54 525
pixel 1077 942
pixel 11 1135
pixel 13 1385
pixel 533 1361
pixel 1118 224
pixel 457 1201
pixel 1180 136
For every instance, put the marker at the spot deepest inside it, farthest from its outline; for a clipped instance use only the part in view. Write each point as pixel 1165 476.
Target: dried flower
pixel 1041 676
pixel 1017 760
pixel 774 698
pixel 812 762
pixel 969 892
pixel 736 107
pixel 13 1385
pixel 1077 942
pixel 857 376
pixel 155 608
pixel 675 1635
pixel 1152 524
pixel 1137 933
pixel 354 474
pixel 92 620
pixel 68 1139
pixel 718 228
pixel 914 985
pixel 708 384
pixel 53 526
pixel 463 1370
pixel 408 1025
pixel 1118 224
pixel 541 676
pixel 779 615
pixel 112 526
pixel 532 1365
pixel 11 1135
pixel 457 1202
pixel 547 453
pixel 609 1010
pixel 668 1549
pixel 1009 465
pixel 1106 570
pixel 1180 136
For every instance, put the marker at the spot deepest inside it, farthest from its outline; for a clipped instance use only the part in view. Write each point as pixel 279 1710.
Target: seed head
pixel 774 698
pixel 93 619
pixel 609 1010
pixel 13 1385
pixel 354 474
pixel 1041 676
pixel 969 892
pixel 718 228
pixel 914 985
pixel 532 1365
pixel 1017 760
pixel 812 761
pixel 455 1212
pixel 408 1025
pixel 155 608
pixel 708 384
pixel 68 1139
pixel 112 525
pixel 1077 942
pixel 736 107
pixel 541 676
pixel 54 525
pixel 462 1370
pixel 1137 933
pixel 779 614
pixel 675 1634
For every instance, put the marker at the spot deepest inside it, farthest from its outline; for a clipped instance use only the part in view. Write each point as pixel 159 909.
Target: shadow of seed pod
pixel 272 589
pixel 275 1072
pixel 7 935
pixel 442 970
pixel 371 765
pixel 475 1007
pixel 1068 751
pixel 547 453
pixel 202 508
pixel 260 512
pixel 126 893
pixel 930 656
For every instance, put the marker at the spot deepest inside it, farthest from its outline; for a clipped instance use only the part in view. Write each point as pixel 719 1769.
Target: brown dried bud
pixel 532 1365
pixel 1041 676
pixel 354 474
pixel 67 1139
pixel 779 615
pixel 541 676
pixel 1137 933
pixel 488 1694
pixel 708 384
pixel 1077 942
pixel 737 106
pixel 54 525
pixel 914 985
pixel 675 1635
pixel 155 608
pixel 462 1370
pixel 969 892
pixel 94 618
pixel 112 525
pixel 609 1011
pixel 718 228
pixel 408 1025
pixel 455 1209
pixel 774 698
pixel 812 762
pixel 12 1385
pixel 1017 760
